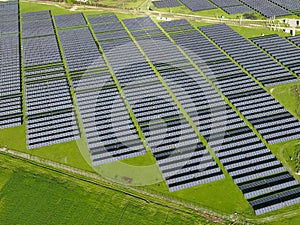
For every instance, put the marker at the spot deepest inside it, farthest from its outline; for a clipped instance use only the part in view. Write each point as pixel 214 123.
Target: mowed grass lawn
pixel 30 194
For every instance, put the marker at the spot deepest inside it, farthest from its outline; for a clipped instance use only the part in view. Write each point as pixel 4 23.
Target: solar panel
pixel 241 152
pixel 166 3
pixel 238 9
pixel 70 20
pixel 266 8
pixel 196 5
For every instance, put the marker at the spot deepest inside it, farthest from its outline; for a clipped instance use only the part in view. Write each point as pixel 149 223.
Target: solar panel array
pixel 166 3
pixel 70 20
pixel 232 6
pixel 282 50
pixel 261 66
pixel 49 107
pixel 245 156
pixel 288 4
pixel 109 131
pixel 264 112
pixel 295 40
pixel 198 5
pixel 10 73
pixel 254 168
pixel 266 8
pixel 168 134
pixel 237 9
pixel 9 17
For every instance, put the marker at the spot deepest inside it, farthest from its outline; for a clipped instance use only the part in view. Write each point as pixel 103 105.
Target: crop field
pixel 34 195
pixel 73 126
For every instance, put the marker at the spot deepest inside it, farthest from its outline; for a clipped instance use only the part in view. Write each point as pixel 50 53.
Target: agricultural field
pixel 31 194
pixel 56 197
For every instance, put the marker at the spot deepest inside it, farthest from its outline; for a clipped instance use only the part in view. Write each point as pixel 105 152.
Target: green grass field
pixel 56 199
pixel 34 195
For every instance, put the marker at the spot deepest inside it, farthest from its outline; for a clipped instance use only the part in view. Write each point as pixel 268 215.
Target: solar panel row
pixel 266 8
pixel 285 52
pixel 237 9
pixel 40 51
pixel 226 3
pixel 70 20
pixel 232 6
pixel 163 125
pixel 288 5
pixel 187 81
pixel 197 5
pixel 252 166
pixel 79 54
pixel 10 73
pixel 109 131
pixel 166 3
pixel 240 49
pixel 49 107
pixel 37 28
pixel 36 16
pixel 295 40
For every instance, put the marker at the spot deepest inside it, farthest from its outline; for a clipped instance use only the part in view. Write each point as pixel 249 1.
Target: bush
pixel 250 16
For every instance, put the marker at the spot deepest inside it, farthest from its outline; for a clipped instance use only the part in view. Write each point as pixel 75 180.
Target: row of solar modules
pixel 79 55
pixel 45 102
pixel 232 6
pixel 285 52
pixel 203 107
pixel 266 8
pixel 207 110
pixel 9 17
pixel 35 28
pixel 253 167
pixel 166 130
pixel 40 51
pixel 10 73
pixel 295 40
pixel 292 5
pixel 261 66
pixel 269 121
pixel 70 20
pixel 49 107
pixel 166 3
pixel 108 128
pixel 196 5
